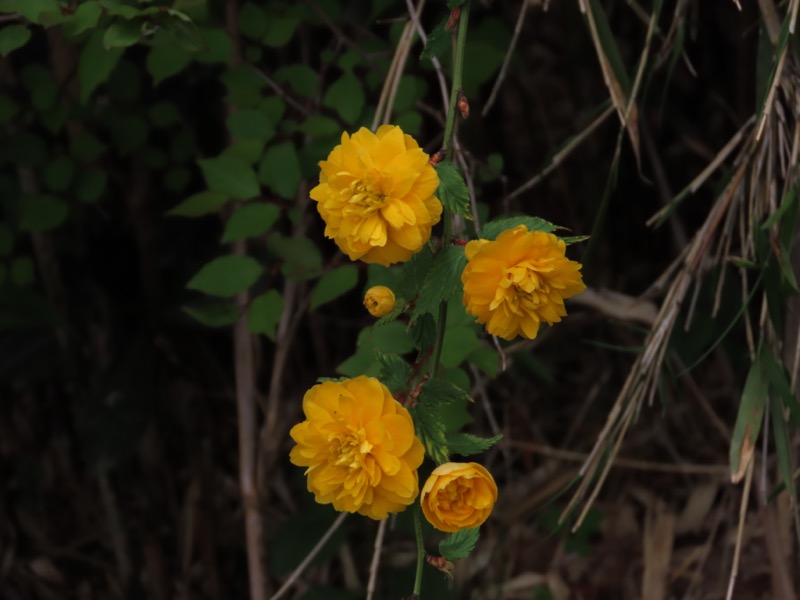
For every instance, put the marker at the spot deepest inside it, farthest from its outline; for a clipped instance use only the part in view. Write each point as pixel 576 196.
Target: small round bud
pixel 379 300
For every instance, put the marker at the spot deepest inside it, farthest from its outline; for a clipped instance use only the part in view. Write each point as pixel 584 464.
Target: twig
pixel 376 559
pixel 737 553
pixel 437 66
pixel 119 540
pixel 245 375
pixel 504 67
pixel 310 557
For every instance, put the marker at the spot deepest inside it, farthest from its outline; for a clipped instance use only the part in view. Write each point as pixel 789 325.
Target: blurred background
pixel 167 295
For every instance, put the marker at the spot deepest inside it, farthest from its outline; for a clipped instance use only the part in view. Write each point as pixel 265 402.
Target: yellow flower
pixel 379 300
pixel 376 196
pixel 458 496
pixel 359 447
pixel 518 281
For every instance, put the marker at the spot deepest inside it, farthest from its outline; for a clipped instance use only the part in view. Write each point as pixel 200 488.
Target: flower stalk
pixel 449 147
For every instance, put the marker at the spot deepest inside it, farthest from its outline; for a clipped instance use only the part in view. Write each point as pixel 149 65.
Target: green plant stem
pixel 449 135
pixel 420 551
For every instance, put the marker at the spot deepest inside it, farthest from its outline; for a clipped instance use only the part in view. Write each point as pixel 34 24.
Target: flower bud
pixel 458 496
pixel 379 300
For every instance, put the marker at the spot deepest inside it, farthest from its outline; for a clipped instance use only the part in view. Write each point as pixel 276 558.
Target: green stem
pixel 420 552
pixel 449 134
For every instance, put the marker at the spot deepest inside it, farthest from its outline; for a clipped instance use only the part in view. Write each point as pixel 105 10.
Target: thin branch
pixel 507 60
pixel 376 559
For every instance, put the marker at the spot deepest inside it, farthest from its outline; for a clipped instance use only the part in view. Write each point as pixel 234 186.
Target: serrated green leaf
pixel 250 220
pixel 439 42
pixel 414 273
pixel 465 444
pixel 440 392
pixel 460 544
pixel 214 315
pixel 346 96
pixel 264 313
pixel 452 191
pixel 395 372
pixel 200 204
pixel 333 284
pixel 41 212
pixel 423 331
pixel 226 276
pixel 13 37
pixel 430 431
pixel 492 229
pixel 95 64
pixel 443 280
pixel 280 170
pixel 231 176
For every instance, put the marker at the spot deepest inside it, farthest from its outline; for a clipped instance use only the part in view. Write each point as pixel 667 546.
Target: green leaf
pixel 302 79
pixel 122 34
pixel 22 271
pixel 29 149
pixel 423 331
pixel 459 342
pixel 280 170
pixel 214 315
pixel 29 9
pixel 217 47
pixel 6 239
pixel 231 176
pixel 58 173
pixel 90 185
pixel 302 259
pixel 41 212
pixel 414 273
pixel 248 151
pixel 395 372
pixel 226 276
pixel 319 125
pixel 250 220
pixel 129 133
pixel 430 431
pixel 492 229
pixel 440 392
pixel 253 21
pixel 84 18
pixel 86 147
pixel 459 544
pixel 13 37
pixel 95 64
pixel 264 314
pixel 443 281
pixel 279 31
pixel 251 124
pixel 165 60
pixel 200 204
pixel 748 419
pixel 333 284
pixel 465 444
pixel 453 192
pixel 439 42
pixel 345 96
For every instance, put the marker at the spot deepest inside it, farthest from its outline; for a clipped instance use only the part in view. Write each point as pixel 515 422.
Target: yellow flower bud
pixel 379 300
pixel 458 496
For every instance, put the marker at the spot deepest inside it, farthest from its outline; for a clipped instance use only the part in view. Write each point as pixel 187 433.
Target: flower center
pixel 528 285
pixel 352 450
pixel 365 198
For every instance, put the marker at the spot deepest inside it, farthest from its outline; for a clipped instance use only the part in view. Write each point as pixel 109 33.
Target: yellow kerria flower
pixel 379 300
pixel 518 281
pixel 458 496
pixel 376 196
pixel 359 447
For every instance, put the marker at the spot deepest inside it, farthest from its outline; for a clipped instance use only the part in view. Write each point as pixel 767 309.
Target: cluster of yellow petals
pixel 458 496
pixel 379 300
pixel 376 196
pixel 518 281
pixel 359 447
